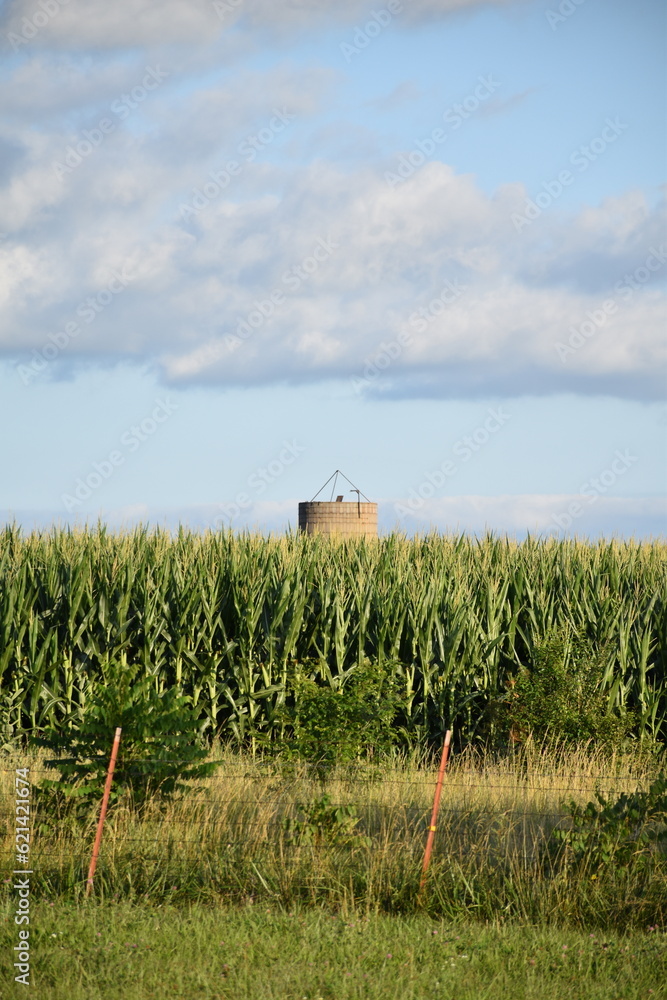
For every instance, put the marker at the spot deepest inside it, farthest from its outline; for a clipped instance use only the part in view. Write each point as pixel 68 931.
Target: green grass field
pixel 104 952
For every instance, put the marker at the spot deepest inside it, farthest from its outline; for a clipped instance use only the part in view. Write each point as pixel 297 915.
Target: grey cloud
pixel 45 85
pixel 79 25
pixel 498 105
pixel 590 252
pixel 75 25
pixel 11 155
pixel 468 380
pixel 401 94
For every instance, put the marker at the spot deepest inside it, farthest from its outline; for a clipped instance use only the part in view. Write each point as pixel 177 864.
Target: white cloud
pixel 214 250
pixel 391 253
pixel 515 515
pixel 537 514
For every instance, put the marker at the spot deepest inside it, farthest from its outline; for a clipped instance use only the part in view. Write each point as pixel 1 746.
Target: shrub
pixel 340 724
pixel 620 831
pixel 160 746
pixel 561 694
pixel 319 822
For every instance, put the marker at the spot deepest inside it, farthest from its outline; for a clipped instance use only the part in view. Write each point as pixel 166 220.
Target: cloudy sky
pixel 244 243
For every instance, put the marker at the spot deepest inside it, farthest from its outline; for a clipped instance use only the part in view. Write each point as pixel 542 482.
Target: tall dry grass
pixel 494 857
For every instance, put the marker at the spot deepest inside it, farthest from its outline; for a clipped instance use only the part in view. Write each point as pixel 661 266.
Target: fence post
pixel 103 812
pixel 434 814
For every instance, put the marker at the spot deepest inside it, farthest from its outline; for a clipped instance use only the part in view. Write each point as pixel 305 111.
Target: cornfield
pixel 231 620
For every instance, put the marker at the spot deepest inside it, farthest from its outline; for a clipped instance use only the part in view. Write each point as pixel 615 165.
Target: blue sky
pixel 244 244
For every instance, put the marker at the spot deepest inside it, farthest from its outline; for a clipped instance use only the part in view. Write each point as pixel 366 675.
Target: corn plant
pixel 234 621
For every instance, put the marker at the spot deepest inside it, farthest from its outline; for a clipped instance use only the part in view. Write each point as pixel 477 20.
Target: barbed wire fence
pixel 290 793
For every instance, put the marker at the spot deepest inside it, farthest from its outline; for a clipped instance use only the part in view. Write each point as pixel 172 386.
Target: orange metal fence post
pixel 103 812
pixel 434 814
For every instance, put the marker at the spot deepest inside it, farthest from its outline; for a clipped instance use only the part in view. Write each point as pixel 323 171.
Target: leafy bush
pixel 160 747
pixel 340 724
pixel 561 694
pixel 620 831
pixel 319 823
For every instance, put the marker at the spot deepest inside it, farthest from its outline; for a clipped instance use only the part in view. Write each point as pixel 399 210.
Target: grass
pixel 212 897
pixel 494 858
pixel 102 951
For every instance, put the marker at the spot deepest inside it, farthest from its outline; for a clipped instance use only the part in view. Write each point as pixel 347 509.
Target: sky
pixel 244 244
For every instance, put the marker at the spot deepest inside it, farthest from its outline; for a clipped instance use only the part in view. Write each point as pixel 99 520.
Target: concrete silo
pixel 344 519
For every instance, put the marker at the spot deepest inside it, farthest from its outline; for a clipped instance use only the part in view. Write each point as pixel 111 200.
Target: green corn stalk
pixel 229 619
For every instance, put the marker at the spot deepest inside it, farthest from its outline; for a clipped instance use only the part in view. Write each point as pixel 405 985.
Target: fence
pixel 283 832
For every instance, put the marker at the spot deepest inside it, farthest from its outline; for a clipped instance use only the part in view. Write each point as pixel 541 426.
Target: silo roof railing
pixel 335 476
